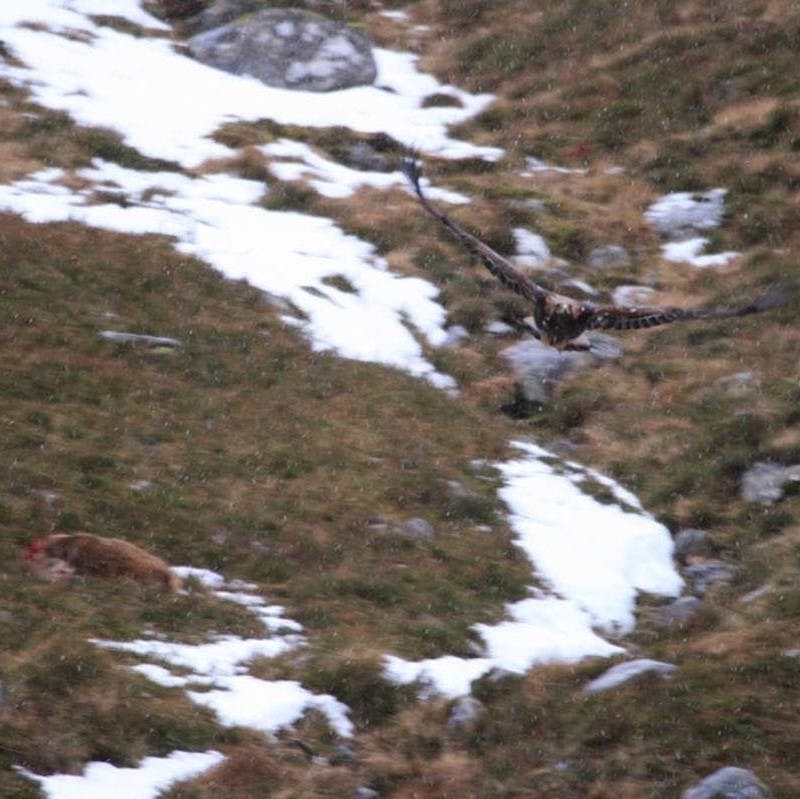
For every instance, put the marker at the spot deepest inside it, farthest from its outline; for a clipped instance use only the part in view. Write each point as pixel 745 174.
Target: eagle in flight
pixel 560 321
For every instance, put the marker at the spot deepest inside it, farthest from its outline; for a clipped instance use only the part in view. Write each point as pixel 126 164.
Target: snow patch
pixel 212 218
pixel 594 558
pixel 689 251
pixel 152 776
pixel 336 180
pixel 82 75
pixel 217 675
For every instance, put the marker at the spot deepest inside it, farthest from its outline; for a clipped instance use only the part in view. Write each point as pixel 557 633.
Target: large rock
pixel 289 49
pixel 729 783
pixel 538 367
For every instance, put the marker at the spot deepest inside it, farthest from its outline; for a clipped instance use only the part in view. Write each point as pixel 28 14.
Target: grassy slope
pixel 269 462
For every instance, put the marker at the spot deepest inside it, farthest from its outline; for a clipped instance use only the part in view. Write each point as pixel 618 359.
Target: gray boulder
pixel 289 49
pixel 703 575
pixel 677 613
pixel 729 783
pixel 465 712
pixel 538 367
pixel 690 541
pixel 765 482
pixel 418 529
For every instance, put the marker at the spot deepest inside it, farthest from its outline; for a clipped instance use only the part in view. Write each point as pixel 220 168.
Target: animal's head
pixel 34 548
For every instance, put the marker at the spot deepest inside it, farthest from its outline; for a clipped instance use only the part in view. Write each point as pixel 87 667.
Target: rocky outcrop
pixel 289 49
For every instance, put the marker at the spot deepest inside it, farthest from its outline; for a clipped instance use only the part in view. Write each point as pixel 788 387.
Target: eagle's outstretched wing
pixel 561 320
pixel 499 266
pixel 612 317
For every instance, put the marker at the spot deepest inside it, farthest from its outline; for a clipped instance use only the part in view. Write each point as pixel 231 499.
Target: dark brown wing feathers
pixel 611 317
pixel 553 311
pixel 500 267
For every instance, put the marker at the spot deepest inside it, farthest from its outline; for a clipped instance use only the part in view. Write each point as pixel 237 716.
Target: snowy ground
pixel 102 780
pixel 143 89
pixel 218 668
pixel 680 216
pixel 593 558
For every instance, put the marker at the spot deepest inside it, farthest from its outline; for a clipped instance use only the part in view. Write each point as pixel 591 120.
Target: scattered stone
pixel 791 653
pixel 47 496
pixel 140 485
pixel 456 336
pixel 289 49
pixel 365 157
pixel 764 483
pixel 365 793
pixel 704 575
pixel 625 672
pixel 418 529
pixel 377 525
pixel 690 541
pixel 458 490
pixel 498 328
pixel 579 285
pixel 341 755
pixel 757 593
pixel 538 367
pixel 729 783
pixel 220 537
pixel 117 337
pixel 739 383
pixel 677 613
pixel 632 295
pixel 610 255
pixel 603 347
pixel 464 713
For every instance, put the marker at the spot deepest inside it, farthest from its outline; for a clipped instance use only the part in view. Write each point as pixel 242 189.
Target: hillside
pixel 375 514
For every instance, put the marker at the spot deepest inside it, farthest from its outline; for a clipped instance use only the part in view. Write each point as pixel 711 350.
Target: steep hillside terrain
pixel 364 499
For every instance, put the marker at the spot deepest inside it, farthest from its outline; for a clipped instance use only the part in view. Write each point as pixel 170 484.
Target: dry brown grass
pixel 272 463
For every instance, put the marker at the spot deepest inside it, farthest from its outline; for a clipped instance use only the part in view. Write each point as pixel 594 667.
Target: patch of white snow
pixel 102 780
pixel 593 559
